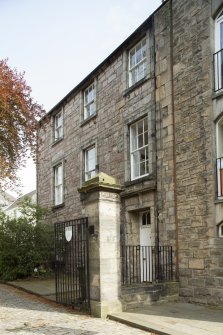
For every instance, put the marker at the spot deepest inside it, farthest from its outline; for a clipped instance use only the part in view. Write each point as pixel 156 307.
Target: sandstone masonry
pixel 155 125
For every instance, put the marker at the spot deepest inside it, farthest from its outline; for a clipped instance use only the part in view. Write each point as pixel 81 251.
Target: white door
pixel 145 247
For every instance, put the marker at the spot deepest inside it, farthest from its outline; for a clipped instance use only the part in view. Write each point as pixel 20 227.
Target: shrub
pixel 25 243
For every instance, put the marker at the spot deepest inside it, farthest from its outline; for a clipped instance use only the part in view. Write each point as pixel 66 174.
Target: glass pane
pixel 133 137
pixel 91 108
pixel 140 141
pixel 142 155
pixel 135 159
pixel 58 195
pixel 138 54
pixel 142 169
pixel 58 175
pixel 132 58
pixel 145 124
pixel 145 218
pixel 146 138
pixel 133 76
pixel 144 49
pixel 221 35
pixel 141 72
pixel 140 127
pixel 90 160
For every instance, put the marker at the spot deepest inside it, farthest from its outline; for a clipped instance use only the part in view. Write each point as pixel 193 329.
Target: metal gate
pixel 72 263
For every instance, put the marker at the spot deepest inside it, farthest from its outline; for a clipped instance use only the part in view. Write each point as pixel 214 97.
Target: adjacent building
pixel 145 130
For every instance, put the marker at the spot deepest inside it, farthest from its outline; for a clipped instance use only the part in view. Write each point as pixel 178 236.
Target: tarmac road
pixel 22 313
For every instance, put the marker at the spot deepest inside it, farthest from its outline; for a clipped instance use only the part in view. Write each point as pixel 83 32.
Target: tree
pixel 19 116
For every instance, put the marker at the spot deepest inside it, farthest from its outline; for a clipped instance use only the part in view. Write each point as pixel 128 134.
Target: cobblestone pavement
pixel 25 314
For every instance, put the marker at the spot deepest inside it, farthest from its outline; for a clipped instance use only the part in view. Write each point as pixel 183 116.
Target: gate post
pixel 101 204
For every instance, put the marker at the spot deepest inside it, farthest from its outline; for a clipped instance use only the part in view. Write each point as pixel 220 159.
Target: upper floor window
pixel 139 150
pixel 89 101
pixel 219 162
pixel 137 62
pixel 58 184
pixel 220 230
pixel 90 163
pixel 58 126
pixel 218 56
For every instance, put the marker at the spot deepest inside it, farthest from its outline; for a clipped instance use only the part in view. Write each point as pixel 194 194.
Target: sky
pixel 59 42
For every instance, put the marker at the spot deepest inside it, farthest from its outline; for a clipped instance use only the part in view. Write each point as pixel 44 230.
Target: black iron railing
pixel 219 177
pixel 141 264
pixel 218 70
pixel 72 263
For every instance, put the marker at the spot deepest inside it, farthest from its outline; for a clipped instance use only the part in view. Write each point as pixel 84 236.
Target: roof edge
pixel 106 60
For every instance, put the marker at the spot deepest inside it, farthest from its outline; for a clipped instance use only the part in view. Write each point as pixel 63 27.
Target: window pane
pixel 136 164
pixel 138 54
pixel 146 138
pixel 137 62
pixel 221 35
pixel 140 127
pixel 139 148
pixel 58 126
pixel 133 137
pixel 132 58
pixel 90 163
pixel 58 187
pixel 140 141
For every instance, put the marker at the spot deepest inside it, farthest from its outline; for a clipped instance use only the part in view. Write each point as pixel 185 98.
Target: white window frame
pixel 58 126
pixel 219 155
pixel 218 57
pixel 89 172
pixel 135 74
pixel 89 101
pixel 58 184
pixel 136 149
pixel 220 230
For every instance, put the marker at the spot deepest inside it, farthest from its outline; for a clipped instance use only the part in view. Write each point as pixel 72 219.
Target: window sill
pixel 88 119
pixel 136 85
pixel 57 141
pixel 217 94
pixel 218 201
pixel 56 207
pixel 141 185
pixel 139 180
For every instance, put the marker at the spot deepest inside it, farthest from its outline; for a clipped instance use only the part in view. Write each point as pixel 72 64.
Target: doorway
pixel 146 259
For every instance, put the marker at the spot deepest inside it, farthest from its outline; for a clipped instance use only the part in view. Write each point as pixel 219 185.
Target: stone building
pixel 137 148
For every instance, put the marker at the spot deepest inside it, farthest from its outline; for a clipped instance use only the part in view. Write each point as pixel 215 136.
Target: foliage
pixel 25 243
pixel 19 116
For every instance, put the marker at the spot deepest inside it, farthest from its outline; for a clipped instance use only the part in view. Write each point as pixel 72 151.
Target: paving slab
pixel 169 318
pixel 42 287
pixel 174 318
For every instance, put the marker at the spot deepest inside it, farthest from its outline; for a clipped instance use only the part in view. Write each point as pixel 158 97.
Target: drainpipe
pixel 174 140
pixel 156 212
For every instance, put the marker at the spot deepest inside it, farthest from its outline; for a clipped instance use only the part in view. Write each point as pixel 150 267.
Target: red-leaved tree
pixel 19 116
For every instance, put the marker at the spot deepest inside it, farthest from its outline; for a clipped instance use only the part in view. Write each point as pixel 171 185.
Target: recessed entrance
pixel 145 244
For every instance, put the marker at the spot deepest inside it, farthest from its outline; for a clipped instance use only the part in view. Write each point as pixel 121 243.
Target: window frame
pixel 142 61
pixel 219 157
pixel 58 186
pixel 87 114
pixel 86 163
pixel 138 148
pixel 220 230
pixel 218 56
pixel 56 127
